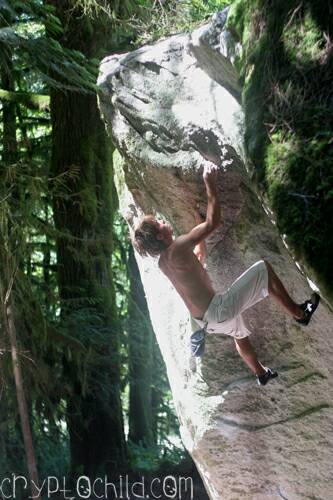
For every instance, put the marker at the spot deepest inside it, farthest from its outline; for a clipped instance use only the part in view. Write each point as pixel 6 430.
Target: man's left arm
pixel 188 241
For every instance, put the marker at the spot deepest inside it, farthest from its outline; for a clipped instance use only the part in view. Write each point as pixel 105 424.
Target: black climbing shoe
pixel 263 379
pixel 308 307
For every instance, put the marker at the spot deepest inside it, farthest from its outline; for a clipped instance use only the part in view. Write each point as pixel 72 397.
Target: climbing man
pixel 181 259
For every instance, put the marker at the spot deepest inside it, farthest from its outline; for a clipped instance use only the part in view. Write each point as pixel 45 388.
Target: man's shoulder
pixel 170 253
pixel 180 248
pixel 177 251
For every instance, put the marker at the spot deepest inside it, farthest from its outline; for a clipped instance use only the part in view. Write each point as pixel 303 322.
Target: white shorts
pixel 224 313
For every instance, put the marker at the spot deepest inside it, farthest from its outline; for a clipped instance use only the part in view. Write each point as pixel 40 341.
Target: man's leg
pixel 280 294
pixel 248 354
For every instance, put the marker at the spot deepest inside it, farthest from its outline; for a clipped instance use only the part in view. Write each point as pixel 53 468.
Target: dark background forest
pixel 83 386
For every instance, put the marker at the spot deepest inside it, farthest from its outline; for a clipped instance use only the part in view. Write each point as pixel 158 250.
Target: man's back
pixel 188 276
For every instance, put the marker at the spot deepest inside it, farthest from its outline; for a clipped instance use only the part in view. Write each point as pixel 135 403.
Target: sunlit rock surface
pixel 167 106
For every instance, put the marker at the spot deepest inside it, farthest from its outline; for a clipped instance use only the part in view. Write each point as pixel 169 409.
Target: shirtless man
pixel 181 260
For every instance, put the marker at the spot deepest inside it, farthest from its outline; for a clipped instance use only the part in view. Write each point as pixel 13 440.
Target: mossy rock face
pixel 170 106
pixel 286 66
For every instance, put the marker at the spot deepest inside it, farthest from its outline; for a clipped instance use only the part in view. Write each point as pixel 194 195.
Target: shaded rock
pixel 168 107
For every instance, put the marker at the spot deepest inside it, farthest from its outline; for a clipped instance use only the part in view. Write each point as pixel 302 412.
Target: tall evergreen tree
pixel 140 342
pixel 9 242
pixel 84 220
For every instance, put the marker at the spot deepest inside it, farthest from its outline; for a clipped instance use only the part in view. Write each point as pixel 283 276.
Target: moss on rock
pixel 286 67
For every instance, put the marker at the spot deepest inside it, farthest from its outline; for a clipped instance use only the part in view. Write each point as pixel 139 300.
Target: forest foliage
pixel 286 68
pixel 60 335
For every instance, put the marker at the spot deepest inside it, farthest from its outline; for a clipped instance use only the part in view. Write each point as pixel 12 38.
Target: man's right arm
pixel 213 214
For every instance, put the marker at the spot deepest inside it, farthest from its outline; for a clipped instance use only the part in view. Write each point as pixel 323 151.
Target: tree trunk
pixel 84 215
pixel 160 385
pixel 21 399
pixel 3 416
pixel 140 360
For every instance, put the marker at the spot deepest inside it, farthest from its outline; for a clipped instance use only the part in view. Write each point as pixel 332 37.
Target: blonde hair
pixel 145 239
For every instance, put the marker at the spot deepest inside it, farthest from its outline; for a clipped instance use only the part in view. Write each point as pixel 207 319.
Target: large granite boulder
pixel 168 107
